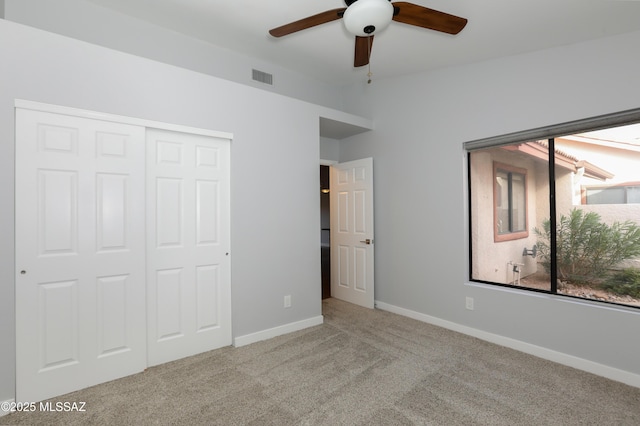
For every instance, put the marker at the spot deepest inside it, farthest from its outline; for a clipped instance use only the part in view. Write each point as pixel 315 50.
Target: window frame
pixel 510 235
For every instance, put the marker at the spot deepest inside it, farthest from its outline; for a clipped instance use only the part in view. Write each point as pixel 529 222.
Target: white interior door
pixel 188 241
pixel 80 275
pixel 352 232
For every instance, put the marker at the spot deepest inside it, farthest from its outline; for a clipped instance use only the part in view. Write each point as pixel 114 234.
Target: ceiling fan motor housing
pixel 367 17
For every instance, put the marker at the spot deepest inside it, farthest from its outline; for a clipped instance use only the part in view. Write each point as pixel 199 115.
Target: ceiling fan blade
pixel 363 51
pixel 420 16
pixel 311 21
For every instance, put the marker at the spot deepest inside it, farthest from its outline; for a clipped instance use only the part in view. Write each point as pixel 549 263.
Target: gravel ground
pixel 541 281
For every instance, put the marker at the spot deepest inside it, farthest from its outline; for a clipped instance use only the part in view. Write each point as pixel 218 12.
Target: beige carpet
pixel 362 367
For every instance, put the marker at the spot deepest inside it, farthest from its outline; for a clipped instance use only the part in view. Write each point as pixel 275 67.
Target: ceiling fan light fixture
pixel 368 17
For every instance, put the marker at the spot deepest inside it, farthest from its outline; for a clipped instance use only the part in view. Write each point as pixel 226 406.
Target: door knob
pixel 367 241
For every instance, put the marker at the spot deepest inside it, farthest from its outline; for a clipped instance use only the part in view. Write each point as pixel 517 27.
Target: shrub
pixel 625 282
pixel 586 248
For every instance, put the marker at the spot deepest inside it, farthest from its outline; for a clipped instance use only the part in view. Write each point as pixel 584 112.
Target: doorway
pixel 325 231
pixel 346 223
pixel 351 239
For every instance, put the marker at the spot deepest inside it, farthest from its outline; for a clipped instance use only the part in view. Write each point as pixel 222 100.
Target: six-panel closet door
pixel 80 255
pixel 188 262
pixel 122 249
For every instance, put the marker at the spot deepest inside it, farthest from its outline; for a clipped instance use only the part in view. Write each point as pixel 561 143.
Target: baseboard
pixel 539 351
pixel 277 331
pixel 7 402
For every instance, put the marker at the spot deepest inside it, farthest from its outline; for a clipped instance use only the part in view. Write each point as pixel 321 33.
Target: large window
pixel 559 215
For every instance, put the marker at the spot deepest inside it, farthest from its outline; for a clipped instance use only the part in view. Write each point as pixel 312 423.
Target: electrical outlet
pixel 469 303
pixel 287 301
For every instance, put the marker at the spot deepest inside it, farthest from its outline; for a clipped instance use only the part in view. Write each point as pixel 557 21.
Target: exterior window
pixel 560 215
pixel 619 194
pixel 510 202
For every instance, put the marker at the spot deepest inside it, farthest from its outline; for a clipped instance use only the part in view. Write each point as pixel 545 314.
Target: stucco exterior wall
pixel 494 261
pixel 623 164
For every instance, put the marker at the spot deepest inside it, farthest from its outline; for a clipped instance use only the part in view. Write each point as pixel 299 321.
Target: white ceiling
pixel 496 28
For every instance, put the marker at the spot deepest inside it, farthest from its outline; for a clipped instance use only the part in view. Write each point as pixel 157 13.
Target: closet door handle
pixel 367 241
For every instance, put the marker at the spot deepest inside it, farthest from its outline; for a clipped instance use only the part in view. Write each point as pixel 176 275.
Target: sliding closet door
pixel 80 253
pixel 188 262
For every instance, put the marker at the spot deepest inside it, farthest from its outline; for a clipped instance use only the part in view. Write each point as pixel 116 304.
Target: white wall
pixel 275 248
pixel 98 25
pixel 421 227
pixel 329 149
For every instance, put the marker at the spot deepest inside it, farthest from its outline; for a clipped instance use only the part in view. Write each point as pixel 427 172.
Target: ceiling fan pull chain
pixel 369 74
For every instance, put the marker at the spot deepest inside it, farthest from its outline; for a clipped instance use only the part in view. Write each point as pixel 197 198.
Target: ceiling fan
pixel 365 18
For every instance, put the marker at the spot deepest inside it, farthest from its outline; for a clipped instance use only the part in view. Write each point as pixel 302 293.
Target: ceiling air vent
pixel 262 77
